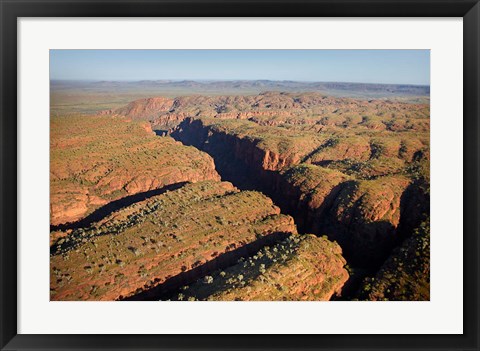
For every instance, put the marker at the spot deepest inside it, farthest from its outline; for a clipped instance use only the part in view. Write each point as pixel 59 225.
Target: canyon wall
pixel 150 248
pixel 139 217
pixel 368 217
pixel 97 160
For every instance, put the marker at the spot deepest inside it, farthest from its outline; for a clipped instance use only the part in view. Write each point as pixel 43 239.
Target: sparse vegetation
pixel 275 273
pixel 96 160
pixel 406 274
pixel 347 169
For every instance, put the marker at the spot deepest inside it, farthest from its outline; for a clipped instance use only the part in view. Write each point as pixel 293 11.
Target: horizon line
pixel 228 80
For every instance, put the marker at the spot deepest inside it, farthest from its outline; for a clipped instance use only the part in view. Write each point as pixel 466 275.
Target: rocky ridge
pixel 300 268
pixel 354 170
pixel 154 246
pixel 96 160
pixel 357 201
pixel 278 108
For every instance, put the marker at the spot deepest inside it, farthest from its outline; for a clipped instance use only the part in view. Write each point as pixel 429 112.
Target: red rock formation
pixel 274 108
pixel 148 109
pixel 96 160
pixel 362 214
pixel 165 241
pixel 300 268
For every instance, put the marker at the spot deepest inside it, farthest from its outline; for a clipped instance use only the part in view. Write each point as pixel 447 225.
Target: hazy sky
pixel 366 66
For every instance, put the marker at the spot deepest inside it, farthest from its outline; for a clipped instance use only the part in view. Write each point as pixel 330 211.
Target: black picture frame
pixel 11 10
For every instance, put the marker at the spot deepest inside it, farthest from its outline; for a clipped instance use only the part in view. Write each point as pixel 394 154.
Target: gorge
pixel 351 175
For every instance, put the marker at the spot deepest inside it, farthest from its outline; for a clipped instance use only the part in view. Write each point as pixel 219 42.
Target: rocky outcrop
pixel 143 109
pixel 300 268
pixel 97 160
pixel 360 205
pixel 278 108
pixel 364 217
pixel 256 153
pixel 405 275
pixel 309 191
pixel 165 242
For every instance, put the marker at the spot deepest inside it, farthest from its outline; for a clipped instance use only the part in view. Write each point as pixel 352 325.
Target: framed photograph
pixel 239 175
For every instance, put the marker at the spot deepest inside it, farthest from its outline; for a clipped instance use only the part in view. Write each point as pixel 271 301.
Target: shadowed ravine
pixel 251 176
pixel 367 239
pixel 116 205
pixel 165 290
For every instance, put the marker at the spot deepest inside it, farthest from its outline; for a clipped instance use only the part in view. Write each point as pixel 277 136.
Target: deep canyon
pixel 275 196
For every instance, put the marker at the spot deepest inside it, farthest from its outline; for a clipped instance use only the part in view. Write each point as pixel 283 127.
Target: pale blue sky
pixel 365 66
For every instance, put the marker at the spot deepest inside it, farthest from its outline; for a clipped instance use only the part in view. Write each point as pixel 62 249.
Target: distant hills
pixel 186 87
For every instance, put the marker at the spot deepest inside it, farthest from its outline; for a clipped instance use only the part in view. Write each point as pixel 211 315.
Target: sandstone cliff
pixel 300 268
pixel 97 160
pixel 351 185
pixel 164 242
pixel 405 276
pixel 278 108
